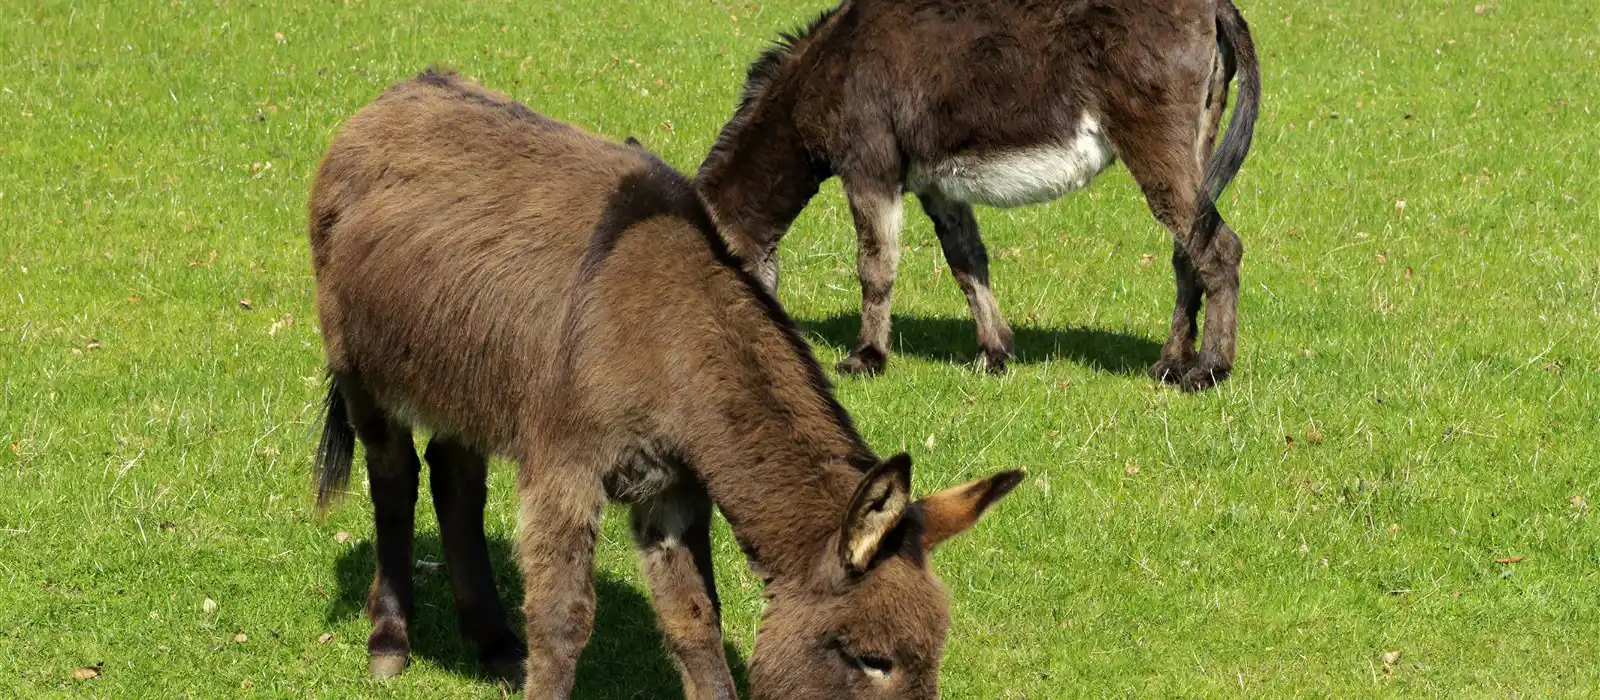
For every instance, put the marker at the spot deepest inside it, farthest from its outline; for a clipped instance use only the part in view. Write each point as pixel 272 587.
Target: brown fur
pixel 874 88
pixel 528 290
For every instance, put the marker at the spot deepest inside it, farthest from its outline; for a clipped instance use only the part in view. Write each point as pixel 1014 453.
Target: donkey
pixel 525 289
pixel 1002 103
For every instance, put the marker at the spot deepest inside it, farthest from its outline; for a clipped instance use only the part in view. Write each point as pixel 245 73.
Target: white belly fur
pixel 1024 176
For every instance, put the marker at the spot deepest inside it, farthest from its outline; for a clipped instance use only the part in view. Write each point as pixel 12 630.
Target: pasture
pixel 1403 460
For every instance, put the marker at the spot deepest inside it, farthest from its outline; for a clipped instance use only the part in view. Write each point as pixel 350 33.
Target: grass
pixel 1416 396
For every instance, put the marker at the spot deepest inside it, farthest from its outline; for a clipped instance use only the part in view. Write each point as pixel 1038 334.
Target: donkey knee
pixel 561 625
pixel 1227 246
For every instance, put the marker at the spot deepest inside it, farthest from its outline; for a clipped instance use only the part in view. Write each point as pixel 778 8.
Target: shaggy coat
pixel 524 289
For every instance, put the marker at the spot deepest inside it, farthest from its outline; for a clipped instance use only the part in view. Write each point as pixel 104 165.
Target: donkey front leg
pixel 559 520
pixel 673 532
pixel 875 204
pixel 969 263
pixel 457 475
pixel 392 470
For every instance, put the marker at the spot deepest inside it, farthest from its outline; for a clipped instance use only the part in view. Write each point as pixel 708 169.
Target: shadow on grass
pixel 626 656
pixel 955 340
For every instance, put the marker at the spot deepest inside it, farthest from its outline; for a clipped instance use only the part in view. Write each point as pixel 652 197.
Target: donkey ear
pixel 950 512
pixel 874 510
pixel 631 141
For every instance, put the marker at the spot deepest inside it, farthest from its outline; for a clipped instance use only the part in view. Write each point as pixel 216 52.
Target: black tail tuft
pixel 336 451
pixel 1229 156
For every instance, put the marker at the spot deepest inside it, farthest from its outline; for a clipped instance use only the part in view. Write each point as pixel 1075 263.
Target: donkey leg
pixel 392 470
pixel 876 205
pixel 969 262
pixel 1177 355
pixel 1214 267
pixel 1210 255
pixel 1218 268
pixel 457 476
pixel 560 518
pixel 1206 252
pixel 1205 261
pixel 673 531
pixel 1170 182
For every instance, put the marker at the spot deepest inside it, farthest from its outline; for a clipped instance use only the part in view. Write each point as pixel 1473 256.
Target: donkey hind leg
pixel 1217 272
pixel 969 262
pixel 457 475
pixel 1218 268
pixel 1206 257
pixel 673 531
pixel 876 206
pixel 392 470
pixel 559 520
pixel 1177 355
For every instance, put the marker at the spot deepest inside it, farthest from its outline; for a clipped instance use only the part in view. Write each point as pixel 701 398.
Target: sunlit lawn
pixel 1402 462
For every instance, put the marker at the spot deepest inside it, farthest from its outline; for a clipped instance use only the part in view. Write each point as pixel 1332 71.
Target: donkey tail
pixel 1229 156
pixel 335 451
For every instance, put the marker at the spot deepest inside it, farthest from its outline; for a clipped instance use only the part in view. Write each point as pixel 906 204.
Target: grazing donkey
pixel 528 290
pixel 1004 103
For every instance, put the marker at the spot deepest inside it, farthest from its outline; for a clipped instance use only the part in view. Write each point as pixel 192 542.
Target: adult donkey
pixel 997 102
pixel 525 289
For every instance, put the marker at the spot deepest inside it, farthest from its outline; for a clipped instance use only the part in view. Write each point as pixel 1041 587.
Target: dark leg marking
pixel 457 476
pixel 392 470
pixel 957 229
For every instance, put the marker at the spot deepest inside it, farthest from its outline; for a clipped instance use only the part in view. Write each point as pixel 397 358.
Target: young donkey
pixel 525 289
pixel 1003 103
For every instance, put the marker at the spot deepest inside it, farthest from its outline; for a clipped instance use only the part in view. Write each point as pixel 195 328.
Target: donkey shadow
pixel 626 656
pixel 955 340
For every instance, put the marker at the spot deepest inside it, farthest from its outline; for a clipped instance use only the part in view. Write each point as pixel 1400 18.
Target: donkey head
pixel 870 621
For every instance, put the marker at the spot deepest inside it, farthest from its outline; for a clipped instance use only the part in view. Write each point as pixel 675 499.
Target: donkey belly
pixel 1009 178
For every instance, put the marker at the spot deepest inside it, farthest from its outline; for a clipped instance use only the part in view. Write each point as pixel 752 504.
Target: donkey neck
pixel 777 453
pixel 759 175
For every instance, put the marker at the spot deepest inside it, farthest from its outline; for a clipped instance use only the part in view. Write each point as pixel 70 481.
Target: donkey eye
pixel 876 667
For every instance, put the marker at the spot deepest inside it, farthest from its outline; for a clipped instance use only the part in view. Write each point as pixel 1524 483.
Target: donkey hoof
pixel 1202 378
pixel 864 361
pixel 994 361
pixel 505 663
pixel 1169 371
pixel 383 666
pixel 507 673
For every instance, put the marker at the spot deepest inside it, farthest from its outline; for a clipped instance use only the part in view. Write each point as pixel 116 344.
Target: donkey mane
pixel 661 190
pixel 861 456
pixel 766 66
pixel 760 76
pixel 450 80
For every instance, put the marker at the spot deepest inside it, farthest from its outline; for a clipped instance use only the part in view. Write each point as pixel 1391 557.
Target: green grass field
pixel 1417 395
